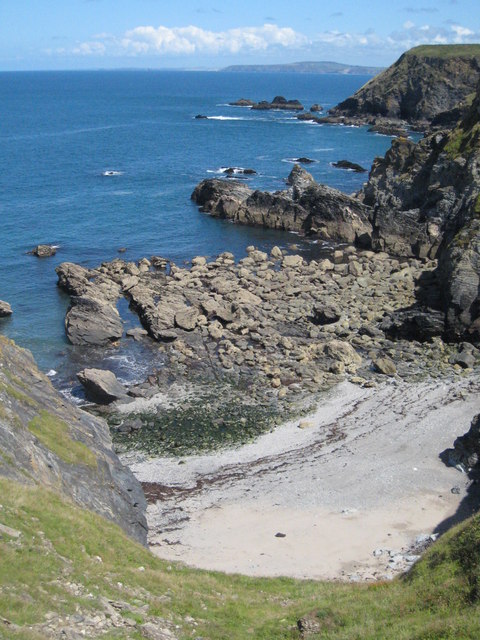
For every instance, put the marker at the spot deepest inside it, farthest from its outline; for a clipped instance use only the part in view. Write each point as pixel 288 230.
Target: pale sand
pixel 364 474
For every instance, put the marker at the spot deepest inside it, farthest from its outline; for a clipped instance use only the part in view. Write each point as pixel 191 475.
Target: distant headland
pixel 307 67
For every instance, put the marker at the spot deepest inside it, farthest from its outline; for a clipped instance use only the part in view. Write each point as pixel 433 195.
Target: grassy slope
pixel 60 542
pixel 445 50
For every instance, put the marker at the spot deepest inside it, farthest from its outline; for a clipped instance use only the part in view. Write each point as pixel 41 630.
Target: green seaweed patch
pixel 477 205
pixel 54 433
pixel 463 142
pixel 199 427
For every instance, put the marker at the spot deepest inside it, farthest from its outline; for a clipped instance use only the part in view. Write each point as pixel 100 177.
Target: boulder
pixel 325 314
pixel 351 166
pixel 187 320
pixel 44 251
pixel 315 108
pixel 416 323
pixel 343 352
pixel 5 309
pixel 92 322
pixel 101 386
pixel 466 448
pixel 384 365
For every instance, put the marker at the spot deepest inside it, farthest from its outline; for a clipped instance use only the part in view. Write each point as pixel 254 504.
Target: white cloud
pixel 191 39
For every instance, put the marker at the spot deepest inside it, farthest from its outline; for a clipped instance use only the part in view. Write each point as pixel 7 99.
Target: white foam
pixel 110 172
pixel 325 149
pixel 51 373
pixel 224 118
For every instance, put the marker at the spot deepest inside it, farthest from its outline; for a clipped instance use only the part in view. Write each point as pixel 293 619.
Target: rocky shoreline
pixel 247 344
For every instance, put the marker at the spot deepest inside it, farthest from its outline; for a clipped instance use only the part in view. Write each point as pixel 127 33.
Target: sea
pixel 95 161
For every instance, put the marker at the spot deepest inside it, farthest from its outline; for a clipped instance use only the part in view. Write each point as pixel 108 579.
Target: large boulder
pixel 92 322
pixel 101 386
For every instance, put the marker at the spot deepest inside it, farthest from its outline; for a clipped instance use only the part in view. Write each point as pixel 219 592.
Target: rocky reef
pixel 304 206
pixel 424 83
pixel 45 441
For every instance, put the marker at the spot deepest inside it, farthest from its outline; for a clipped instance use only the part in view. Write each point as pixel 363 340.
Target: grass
pixel 445 50
pixel 54 433
pixel 438 599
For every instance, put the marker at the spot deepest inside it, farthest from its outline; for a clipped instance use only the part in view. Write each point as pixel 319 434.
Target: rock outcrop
pixel 424 82
pixel 47 441
pixel 278 102
pixel 305 206
pixel 5 309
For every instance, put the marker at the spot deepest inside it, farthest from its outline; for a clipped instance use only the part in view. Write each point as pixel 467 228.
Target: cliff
pixel 47 442
pixel 424 82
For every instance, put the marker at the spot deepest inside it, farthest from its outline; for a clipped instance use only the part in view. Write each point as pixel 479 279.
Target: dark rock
pixel 122 249
pixel 101 385
pixel 414 324
pixel 326 314
pixel 5 309
pixel 97 480
pixel 243 102
pixel 92 322
pixel 463 359
pixel 466 448
pixel 201 117
pixel 279 102
pixel 233 171
pixel 44 251
pixel 280 535
pixel 309 117
pixel 346 164
pixel 305 206
pixel 315 108
pixel 389 129
pixel 304 160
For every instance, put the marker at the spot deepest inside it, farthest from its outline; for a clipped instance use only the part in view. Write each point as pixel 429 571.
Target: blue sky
pixel 83 34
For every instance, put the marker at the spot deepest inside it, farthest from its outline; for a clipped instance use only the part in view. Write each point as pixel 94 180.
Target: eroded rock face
pixel 48 441
pixel 466 451
pixel 305 206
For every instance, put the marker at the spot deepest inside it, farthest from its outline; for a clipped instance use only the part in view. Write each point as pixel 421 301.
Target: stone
pixel 92 322
pixel 325 314
pixel 384 365
pixel 292 261
pixel 187 320
pixel 465 360
pixel 101 385
pixel 276 253
pixel 5 309
pixel 343 352
pixel 44 250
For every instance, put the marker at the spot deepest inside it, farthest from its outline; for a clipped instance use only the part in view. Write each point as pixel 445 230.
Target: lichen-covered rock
pixel 46 440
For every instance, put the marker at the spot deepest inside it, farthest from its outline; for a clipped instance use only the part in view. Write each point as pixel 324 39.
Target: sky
pixel 211 34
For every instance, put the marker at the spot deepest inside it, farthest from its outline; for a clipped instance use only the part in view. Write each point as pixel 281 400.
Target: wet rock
pixel 5 309
pixel 315 108
pixel 325 314
pixel 101 385
pixel 351 166
pixel 414 324
pixel 44 250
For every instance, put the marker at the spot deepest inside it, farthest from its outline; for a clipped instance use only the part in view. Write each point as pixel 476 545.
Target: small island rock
pixel 101 385
pixel 5 309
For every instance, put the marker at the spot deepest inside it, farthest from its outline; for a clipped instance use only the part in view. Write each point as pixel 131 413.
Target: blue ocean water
pixel 60 132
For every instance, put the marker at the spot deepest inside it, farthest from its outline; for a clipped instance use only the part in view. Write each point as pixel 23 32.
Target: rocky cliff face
pixel 424 82
pixel 425 199
pixel 44 440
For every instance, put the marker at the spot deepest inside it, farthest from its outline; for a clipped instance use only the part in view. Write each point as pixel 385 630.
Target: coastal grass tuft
pixel 54 433
pixel 60 546
pixel 17 395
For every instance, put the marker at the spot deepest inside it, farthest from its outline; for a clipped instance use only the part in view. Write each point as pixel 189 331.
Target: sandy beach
pixel 348 487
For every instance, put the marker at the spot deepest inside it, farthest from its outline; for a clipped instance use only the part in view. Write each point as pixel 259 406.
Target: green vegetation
pixel 55 435
pixel 445 50
pixel 17 395
pixel 61 545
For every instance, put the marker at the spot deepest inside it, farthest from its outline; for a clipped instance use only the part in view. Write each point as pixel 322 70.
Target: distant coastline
pixel 306 67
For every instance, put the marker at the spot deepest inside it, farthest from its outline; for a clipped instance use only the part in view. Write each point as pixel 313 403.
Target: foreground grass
pixel 61 545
